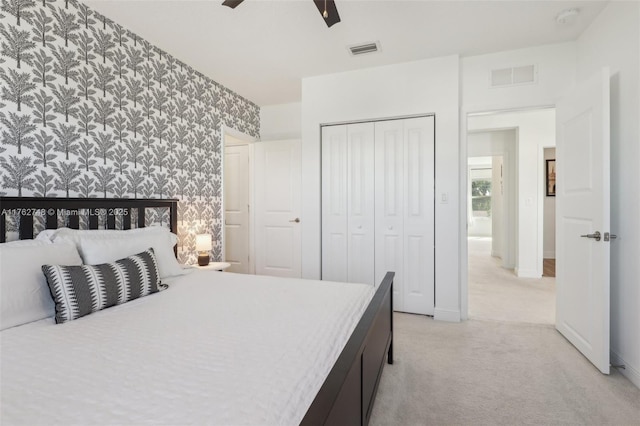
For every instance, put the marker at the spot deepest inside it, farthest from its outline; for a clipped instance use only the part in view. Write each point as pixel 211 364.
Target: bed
pixel 215 348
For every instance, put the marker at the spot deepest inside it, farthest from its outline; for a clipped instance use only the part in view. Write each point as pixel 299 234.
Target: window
pixel 480 192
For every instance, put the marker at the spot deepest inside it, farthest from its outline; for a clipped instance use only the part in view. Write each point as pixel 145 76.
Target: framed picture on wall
pixel 551 178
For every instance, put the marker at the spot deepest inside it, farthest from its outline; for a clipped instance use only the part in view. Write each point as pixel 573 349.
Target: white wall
pixel 502 143
pixel 421 87
pixel 279 122
pixel 555 74
pixel 549 244
pixel 536 130
pixel 614 40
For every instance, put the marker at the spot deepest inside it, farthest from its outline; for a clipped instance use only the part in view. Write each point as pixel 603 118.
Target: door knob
pixel 596 236
pixel 296 220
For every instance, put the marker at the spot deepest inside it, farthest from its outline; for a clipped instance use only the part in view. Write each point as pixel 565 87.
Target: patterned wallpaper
pixel 89 109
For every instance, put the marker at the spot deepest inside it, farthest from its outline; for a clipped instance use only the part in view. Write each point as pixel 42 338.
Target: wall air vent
pixel 513 76
pixel 361 49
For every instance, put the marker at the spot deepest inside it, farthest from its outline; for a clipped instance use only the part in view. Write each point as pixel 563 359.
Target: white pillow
pixel 25 243
pixel 98 247
pixel 24 293
pixel 77 234
pixel 46 235
pixel 12 236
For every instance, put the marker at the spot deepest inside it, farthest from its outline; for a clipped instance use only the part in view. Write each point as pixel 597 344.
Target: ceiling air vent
pixel 513 76
pixel 361 49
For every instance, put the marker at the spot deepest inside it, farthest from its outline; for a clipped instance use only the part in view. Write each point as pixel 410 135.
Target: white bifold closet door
pixel 404 191
pixel 348 203
pixel 378 207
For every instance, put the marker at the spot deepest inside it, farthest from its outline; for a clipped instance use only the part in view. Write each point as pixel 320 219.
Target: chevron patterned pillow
pixel 80 290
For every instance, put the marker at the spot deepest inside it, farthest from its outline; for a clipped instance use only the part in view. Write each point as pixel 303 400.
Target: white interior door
pixel 348 225
pixel 360 204
pixel 236 207
pixel 419 232
pixel 404 154
pixel 389 181
pixel 378 207
pixel 582 197
pixel 277 208
pixel 334 203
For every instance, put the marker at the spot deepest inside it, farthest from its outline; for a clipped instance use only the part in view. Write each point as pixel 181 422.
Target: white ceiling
pixel 263 48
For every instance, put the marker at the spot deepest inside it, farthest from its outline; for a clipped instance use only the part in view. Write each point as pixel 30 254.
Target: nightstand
pixel 215 266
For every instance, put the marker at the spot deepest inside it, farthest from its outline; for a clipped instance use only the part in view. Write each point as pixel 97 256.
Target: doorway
pixel 549 239
pixel 507 234
pixel 237 190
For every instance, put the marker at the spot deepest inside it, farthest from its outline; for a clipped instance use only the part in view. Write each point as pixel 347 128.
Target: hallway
pixel 497 294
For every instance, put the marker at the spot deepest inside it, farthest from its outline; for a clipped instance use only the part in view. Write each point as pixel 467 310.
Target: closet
pixel 378 207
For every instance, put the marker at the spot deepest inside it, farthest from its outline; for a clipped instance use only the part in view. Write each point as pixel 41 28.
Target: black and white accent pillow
pixel 80 290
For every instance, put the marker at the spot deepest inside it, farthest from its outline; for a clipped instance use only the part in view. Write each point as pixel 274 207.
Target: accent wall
pixel 89 109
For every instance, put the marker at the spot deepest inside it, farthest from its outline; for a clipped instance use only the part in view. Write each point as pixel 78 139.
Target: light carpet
pixel 507 365
pixel 498 294
pixel 481 372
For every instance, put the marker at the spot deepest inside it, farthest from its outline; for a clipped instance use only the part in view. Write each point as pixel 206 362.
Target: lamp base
pixel 203 259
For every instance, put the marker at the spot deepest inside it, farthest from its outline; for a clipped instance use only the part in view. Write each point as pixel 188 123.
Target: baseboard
pixel 629 371
pixel 549 254
pixel 446 315
pixel 527 273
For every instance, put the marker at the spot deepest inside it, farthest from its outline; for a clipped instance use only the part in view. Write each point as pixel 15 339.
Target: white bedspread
pixel 215 348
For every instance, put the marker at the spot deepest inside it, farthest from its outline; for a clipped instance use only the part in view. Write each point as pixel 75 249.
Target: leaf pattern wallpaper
pixel 89 109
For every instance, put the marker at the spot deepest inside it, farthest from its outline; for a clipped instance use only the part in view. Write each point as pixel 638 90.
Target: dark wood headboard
pixel 70 210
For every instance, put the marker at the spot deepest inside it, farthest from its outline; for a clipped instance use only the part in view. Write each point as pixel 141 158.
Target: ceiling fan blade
pixel 232 3
pixel 332 11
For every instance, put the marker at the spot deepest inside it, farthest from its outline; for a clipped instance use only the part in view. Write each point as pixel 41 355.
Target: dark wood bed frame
pixel 349 391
